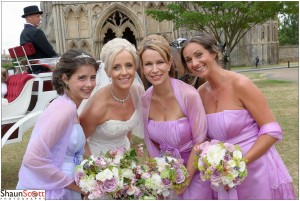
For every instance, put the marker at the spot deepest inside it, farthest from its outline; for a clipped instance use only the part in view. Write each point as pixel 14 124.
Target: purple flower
pixel 216 175
pixel 110 185
pixel 227 157
pixel 166 182
pixel 179 176
pixel 86 166
pixel 100 162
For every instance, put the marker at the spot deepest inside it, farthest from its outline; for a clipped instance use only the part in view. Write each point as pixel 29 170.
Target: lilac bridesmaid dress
pixel 268 177
pixel 176 136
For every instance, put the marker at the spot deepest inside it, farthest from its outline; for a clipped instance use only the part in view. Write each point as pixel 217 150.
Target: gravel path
pixel 279 73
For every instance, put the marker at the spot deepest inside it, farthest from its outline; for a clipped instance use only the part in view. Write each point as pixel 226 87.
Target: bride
pixel 114 111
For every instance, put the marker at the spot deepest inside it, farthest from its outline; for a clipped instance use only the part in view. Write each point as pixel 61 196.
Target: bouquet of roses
pixel 117 174
pixel 221 163
pixel 97 176
pixel 168 173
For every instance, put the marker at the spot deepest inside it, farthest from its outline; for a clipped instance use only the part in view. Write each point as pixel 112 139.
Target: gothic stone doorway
pixel 119 25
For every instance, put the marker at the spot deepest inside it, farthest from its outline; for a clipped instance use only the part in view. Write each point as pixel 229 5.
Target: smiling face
pixel 123 70
pixel 155 68
pixel 81 83
pixel 198 59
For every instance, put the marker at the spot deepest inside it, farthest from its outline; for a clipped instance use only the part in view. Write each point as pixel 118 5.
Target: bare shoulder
pixel 202 89
pixel 96 105
pixel 240 82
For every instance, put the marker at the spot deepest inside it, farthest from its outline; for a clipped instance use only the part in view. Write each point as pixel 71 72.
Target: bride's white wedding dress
pixel 112 134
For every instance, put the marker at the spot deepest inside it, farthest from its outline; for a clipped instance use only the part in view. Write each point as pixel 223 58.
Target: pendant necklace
pixel 119 100
pixel 164 107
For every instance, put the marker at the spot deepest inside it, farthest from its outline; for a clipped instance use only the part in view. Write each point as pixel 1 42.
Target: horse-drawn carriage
pixel 27 94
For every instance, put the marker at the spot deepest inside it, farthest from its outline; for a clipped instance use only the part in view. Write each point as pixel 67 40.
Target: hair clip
pixel 83 56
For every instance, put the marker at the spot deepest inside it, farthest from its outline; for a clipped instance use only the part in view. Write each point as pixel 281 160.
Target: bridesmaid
pixel 174 116
pixel 57 142
pixel 238 113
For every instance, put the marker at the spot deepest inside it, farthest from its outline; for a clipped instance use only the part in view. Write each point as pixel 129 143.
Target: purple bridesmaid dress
pixel 268 177
pixel 176 136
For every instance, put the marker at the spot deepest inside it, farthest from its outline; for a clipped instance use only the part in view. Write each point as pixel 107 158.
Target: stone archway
pixel 118 25
pixel 117 21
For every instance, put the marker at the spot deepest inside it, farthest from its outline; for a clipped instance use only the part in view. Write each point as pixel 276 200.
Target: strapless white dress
pixel 112 134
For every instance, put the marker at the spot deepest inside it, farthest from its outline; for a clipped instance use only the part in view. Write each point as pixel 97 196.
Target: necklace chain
pixel 119 100
pixel 164 107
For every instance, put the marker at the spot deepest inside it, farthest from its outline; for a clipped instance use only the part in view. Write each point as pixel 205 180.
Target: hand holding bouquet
pixel 222 164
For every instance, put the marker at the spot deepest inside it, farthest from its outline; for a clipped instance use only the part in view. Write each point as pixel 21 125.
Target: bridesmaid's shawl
pixel 46 149
pixel 191 105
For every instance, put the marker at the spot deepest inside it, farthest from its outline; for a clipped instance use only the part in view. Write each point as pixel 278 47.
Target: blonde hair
pixel 112 48
pixel 157 43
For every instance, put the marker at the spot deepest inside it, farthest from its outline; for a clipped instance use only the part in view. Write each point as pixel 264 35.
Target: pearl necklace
pixel 119 100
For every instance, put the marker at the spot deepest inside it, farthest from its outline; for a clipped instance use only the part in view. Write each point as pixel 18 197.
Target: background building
pixel 89 25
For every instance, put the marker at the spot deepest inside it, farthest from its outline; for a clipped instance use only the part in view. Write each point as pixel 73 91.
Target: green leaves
pixel 229 19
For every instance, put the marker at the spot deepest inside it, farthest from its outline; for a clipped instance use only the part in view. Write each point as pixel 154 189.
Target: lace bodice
pixel 111 134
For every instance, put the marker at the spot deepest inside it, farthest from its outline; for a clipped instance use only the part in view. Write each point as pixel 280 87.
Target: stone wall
pixel 289 53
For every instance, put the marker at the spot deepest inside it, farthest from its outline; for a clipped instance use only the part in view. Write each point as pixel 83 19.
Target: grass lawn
pixel 282 97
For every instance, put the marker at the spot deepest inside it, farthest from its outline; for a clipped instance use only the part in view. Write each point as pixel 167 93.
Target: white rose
pixel 161 164
pixel 234 173
pixel 104 175
pixel 156 180
pixel 87 183
pixel 242 166
pixel 165 192
pixel 215 154
pixel 231 163
pixel 115 172
pixel 127 173
pixel 237 154
pixel 226 180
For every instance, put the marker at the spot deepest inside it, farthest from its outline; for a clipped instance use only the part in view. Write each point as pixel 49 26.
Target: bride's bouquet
pixel 119 175
pixel 97 176
pixel 222 164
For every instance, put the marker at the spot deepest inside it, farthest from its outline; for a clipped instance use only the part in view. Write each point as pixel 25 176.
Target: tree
pixel 289 30
pixel 228 21
pixel 289 24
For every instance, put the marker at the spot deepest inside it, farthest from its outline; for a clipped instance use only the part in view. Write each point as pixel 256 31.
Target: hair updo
pixel 112 48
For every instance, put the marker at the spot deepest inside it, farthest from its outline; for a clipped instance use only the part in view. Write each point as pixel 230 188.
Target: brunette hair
pixel 68 64
pixel 208 42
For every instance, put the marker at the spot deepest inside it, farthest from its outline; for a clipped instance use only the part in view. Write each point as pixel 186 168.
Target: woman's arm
pixel 191 169
pixel 197 119
pixel 92 115
pixel 255 102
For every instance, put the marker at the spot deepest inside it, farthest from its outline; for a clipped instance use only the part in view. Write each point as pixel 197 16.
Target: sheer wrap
pixel 46 149
pixel 191 105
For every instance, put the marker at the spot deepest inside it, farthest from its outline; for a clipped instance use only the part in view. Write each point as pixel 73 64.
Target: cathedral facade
pixel 89 25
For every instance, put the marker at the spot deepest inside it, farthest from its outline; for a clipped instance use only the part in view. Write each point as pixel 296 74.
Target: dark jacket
pixel 43 48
